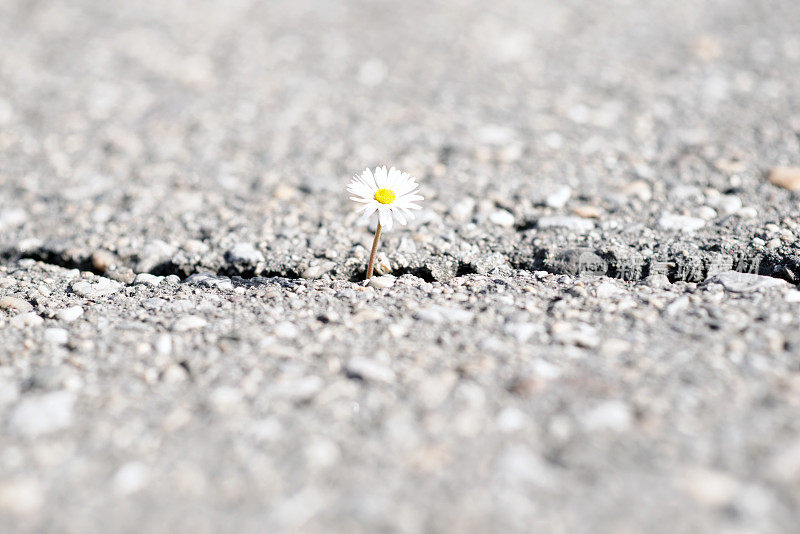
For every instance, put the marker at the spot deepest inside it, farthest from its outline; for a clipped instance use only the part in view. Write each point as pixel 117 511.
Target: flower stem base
pixel 371 265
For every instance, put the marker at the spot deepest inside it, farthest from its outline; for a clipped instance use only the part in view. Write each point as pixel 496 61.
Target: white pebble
pixel 26 320
pixel 190 322
pixel 610 415
pixel 683 223
pixel 42 414
pixel 130 478
pixel 366 369
pixel 56 336
pixel 559 197
pixel 14 303
pixel 502 218
pixel 147 279
pixel 69 314
pixel 23 496
pixel 382 282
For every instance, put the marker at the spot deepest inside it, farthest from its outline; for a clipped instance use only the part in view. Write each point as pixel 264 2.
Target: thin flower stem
pixel 374 250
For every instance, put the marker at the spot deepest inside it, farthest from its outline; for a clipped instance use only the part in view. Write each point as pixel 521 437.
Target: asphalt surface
pixel 592 325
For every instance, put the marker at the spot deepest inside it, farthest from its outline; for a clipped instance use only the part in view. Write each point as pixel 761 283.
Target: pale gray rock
pixel 14 303
pixel 244 253
pixel 578 225
pixel 43 414
pixel 682 223
pixel 368 369
pixel 69 314
pixel 737 282
pixel 147 279
pixel 96 288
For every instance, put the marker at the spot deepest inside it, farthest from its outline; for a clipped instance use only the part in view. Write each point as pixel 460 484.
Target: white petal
pixel 405 187
pixel 406 204
pixel 385 217
pixel 368 210
pixel 399 216
pixel 380 177
pixel 369 179
pixel 406 213
pixel 361 190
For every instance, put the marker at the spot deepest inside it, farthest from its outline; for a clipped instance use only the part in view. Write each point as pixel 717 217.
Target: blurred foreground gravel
pixel 593 325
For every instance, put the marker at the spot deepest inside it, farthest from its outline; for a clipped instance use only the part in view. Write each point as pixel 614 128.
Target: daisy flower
pixel 391 193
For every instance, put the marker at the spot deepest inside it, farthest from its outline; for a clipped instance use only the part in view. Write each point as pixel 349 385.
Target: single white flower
pixel 391 193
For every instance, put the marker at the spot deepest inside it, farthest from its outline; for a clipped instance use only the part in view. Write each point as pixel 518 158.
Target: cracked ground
pixel 591 325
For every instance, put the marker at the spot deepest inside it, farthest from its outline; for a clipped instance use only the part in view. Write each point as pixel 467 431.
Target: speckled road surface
pixel 592 325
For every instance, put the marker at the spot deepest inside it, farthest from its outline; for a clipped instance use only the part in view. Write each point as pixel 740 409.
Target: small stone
pixel 639 189
pixel 299 390
pixel 130 478
pixel 382 282
pixel 463 208
pixel 123 275
pixel 518 464
pixel 737 282
pixel 284 191
pixel 163 345
pixel 102 260
pixel 559 198
pixel 147 279
pixel 522 332
pixel 579 334
pixel 286 330
pixel 511 419
pixel 12 217
pixel 587 211
pixel 786 177
pixel 575 224
pixel 14 303
pixel 683 223
pixel 69 314
pixel 706 212
pixel 42 414
pixel 442 314
pixel 488 262
pixel 22 496
pixel 244 253
pixel 190 322
pixel 709 487
pixel 223 283
pixel 316 271
pixel 56 336
pixel 612 415
pixel 502 218
pixel 100 287
pixel 26 320
pixel 747 212
pixel 728 204
pixel 366 369
pixel 608 290
pixel 226 400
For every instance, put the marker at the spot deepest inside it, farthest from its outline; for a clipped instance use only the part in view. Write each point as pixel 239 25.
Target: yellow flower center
pixel 384 196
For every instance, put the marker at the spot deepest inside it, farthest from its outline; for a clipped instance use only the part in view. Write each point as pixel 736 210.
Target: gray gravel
pixel 592 325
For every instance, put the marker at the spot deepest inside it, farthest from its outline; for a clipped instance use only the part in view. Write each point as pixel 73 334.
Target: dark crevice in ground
pixel 621 263
pixel 677 265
